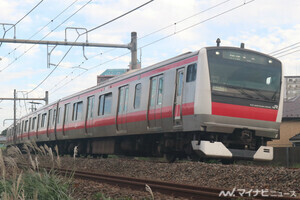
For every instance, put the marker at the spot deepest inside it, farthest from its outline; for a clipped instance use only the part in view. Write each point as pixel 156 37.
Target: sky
pixel 165 28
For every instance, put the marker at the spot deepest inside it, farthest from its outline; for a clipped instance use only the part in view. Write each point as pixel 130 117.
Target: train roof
pixel 132 73
pixel 116 79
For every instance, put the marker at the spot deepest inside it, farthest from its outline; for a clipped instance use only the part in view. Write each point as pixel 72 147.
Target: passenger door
pixel 177 108
pixel 155 102
pixel 122 109
pixel 89 114
pixel 66 117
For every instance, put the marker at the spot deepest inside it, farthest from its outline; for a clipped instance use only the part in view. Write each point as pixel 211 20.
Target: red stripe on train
pixel 161 113
pixel 246 112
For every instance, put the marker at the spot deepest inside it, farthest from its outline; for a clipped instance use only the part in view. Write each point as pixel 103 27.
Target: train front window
pixel 244 74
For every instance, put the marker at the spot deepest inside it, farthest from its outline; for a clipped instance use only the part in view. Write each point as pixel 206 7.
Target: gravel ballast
pixel 247 177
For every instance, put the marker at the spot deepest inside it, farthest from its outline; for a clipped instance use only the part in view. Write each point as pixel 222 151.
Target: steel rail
pixel 169 188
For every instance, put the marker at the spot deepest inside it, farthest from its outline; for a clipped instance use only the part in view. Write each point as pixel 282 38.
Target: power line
pixel 53 69
pixel 275 52
pixel 288 53
pixel 210 18
pixel 26 15
pixel 196 14
pixel 51 21
pixel 282 52
pixel 229 10
pixel 47 35
pixel 168 26
pixel 117 17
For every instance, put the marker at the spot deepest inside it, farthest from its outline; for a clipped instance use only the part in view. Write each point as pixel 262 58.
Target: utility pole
pixel 46 99
pixel 132 46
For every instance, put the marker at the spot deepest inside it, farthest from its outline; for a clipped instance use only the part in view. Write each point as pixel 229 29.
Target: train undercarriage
pixel 172 146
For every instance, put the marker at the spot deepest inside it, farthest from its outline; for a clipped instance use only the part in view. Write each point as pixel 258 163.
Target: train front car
pixel 239 103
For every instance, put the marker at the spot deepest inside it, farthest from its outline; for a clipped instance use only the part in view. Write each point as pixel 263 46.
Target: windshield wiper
pixel 258 92
pixel 240 89
pixel 275 93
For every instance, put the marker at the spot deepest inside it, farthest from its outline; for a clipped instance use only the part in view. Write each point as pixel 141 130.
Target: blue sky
pixel 263 25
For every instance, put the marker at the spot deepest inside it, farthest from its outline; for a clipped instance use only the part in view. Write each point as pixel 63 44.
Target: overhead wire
pixel 279 50
pixel 51 21
pixel 196 14
pixel 47 34
pixel 118 17
pixel 286 50
pixel 168 26
pixel 210 18
pixel 26 15
pixel 88 32
pixel 53 68
pixel 180 21
pixel 287 54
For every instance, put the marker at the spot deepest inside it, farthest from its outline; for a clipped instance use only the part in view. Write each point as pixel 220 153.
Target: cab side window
pixel 191 72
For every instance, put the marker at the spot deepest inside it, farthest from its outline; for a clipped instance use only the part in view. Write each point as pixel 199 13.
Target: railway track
pixel 168 188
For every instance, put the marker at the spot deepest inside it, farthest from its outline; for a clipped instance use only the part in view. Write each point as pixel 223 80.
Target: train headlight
pixel 217 53
pixel 270 61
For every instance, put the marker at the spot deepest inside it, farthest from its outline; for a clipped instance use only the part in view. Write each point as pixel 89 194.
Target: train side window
pixel 49 117
pixel 160 90
pixel 38 121
pixel 105 102
pixel 54 116
pixel 123 99
pixel 180 84
pixel 137 95
pixel 191 72
pixel 66 113
pixel 58 115
pixel 26 126
pixel 153 92
pixel 22 128
pixel 90 106
pixel 18 128
pixel 101 102
pixel 77 110
pixel 33 123
pixel 29 126
pixel 44 116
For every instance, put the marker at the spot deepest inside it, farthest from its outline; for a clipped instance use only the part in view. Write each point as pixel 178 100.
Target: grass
pixel 33 183
pixel 296 165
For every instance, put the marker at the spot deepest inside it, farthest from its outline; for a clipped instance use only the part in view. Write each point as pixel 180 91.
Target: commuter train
pixel 218 102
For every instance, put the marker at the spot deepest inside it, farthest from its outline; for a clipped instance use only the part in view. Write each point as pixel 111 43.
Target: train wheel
pixel 170 157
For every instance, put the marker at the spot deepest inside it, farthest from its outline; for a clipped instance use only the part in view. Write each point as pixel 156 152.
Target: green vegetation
pixel 296 165
pixel 33 183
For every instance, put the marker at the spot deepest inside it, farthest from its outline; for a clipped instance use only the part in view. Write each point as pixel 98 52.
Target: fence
pixel 286 156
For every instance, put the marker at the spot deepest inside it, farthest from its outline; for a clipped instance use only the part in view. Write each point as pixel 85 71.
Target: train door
pixel 155 102
pixel 29 129
pixel 38 126
pixel 89 114
pixel 177 109
pixel 122 109
pixel 66 118
pixel 55 119
pixel 49 122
